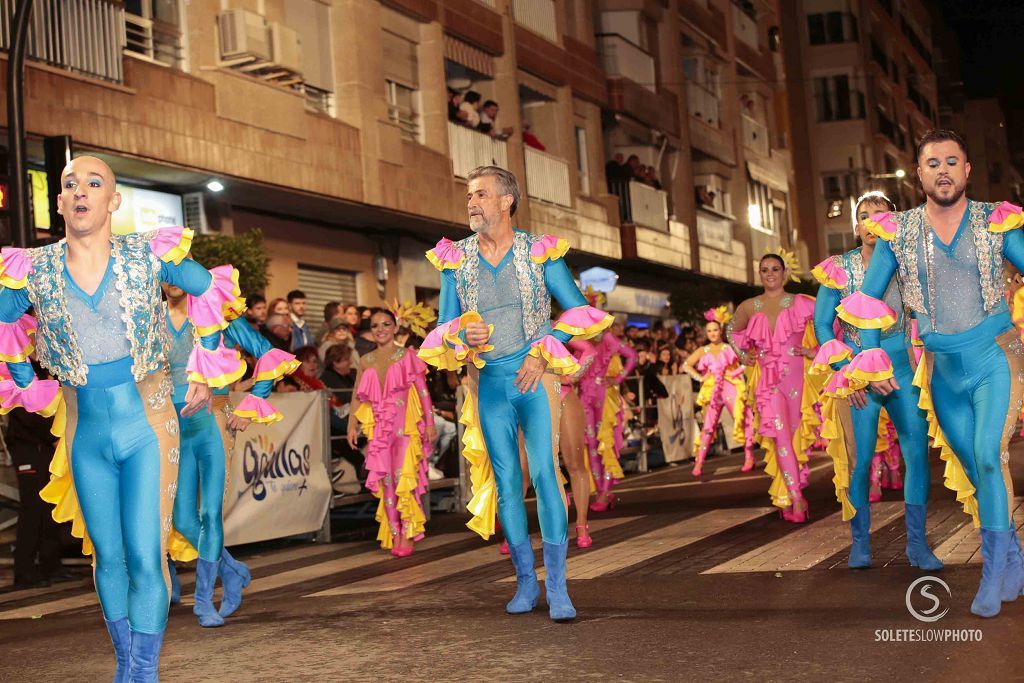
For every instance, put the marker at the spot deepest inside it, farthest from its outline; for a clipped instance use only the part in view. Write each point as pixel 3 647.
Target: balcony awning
pixel 772 177
pixel 468 56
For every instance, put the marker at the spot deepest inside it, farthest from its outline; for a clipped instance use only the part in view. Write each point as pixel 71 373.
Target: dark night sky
pixel 988 32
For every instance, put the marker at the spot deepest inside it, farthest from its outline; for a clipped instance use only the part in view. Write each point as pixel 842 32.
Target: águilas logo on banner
pixel 286 467
pixel 278 483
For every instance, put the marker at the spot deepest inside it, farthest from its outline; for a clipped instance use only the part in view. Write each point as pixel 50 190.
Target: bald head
pixel 88 196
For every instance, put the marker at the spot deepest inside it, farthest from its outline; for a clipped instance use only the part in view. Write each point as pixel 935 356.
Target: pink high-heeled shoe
pixel 583 539
pixel 504 548
pixel 748 464
pixel 404 551
pixel 798 512
pixel 599 506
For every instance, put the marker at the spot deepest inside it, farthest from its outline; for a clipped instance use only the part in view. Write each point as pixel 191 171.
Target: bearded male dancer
pixel 495 311
pixel 99 328
pixel 948 256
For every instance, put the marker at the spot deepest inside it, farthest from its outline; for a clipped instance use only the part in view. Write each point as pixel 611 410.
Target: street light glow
pixel 214 186
pixel 900 173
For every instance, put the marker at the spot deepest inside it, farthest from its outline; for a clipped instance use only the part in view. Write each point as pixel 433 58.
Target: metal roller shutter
pixel 322 285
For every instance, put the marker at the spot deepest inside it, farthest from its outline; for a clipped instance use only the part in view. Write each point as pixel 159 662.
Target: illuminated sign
pixel 146 210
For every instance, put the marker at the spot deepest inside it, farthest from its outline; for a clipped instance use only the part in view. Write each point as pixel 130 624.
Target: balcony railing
pixel 755 136
pixel 470 148
pixel 703 103
pixel 84 36
pixel 536 15
pixel 156 41
pixel 547 178
pixel 744 27
pixel 641 204
pixel 622 58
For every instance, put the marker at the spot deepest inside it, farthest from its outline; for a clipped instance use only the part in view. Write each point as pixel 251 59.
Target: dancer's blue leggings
pixel 503 412
pixel 116 465
pixel 198 506
pixel 973 383
pixel 911 426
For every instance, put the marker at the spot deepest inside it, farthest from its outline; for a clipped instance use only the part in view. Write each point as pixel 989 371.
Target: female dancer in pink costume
pixel 769 330
pixel 602 405
pixel 391 395
pixel 723 385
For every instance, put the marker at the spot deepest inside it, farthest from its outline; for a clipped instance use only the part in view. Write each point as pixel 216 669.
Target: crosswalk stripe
pixel 597 563
pixel 424 573
pixel 806 547
pixel 964 546
pixel 747 476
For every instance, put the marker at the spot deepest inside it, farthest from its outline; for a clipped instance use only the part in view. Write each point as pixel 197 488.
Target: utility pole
pixel 23 228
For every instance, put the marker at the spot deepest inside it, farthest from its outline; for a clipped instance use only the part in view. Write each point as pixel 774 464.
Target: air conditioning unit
pixel 285 47
pixel 195 213
pixel 243 34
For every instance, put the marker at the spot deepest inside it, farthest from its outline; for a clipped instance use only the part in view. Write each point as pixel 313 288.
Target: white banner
pixel 675 418
pixel 277 483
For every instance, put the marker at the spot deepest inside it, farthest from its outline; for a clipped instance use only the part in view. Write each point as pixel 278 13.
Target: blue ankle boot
pixel 235 576
pixel 994 548
pixel 1012 583
pixel 206 577
pixel 559 605
pixel 527 589
pixel 175 583
pixel 860 548
pixel 918 552
pixel 121 637
pixel 145 651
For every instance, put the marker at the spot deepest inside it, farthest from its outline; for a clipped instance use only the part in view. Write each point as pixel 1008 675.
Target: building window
pixel 835 101
pixel 582 162
pixel 153 30
pixel 837 186
pixel 702 90
pixel 832 27
pixel 323 285
pixel 760 210
pixel 403 109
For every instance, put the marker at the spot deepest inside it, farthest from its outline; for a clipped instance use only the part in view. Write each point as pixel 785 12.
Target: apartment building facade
pixel 862 90
pixel 325 124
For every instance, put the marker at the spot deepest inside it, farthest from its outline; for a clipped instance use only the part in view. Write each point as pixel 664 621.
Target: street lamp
pixel 899 174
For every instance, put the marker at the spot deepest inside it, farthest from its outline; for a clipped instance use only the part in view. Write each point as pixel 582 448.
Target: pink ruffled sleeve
pixel 218 368
pixel 832 351
pixel 171 244
pixel 548 248
pixel 445 255
pixel 16 339
pixel 275 364
pixel 257 409
pixel 870 365
pixel 830 273
pixel 445 348
pixel 1005 217
pixel 883 225
pixel 583 322
pixel 15 266
pixel 222 301
pixel 41 396
pixel 554 353
pixel 866 312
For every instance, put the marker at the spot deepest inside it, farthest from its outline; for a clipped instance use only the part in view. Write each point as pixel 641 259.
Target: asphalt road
pixel 687 580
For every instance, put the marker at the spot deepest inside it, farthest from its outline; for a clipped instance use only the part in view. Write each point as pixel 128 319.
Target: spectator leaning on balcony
pixel 470 107
pixel 489 122
pixel 616 170
pixel 650 178
pixel 633 167
pixel 455 115
pixel 301 335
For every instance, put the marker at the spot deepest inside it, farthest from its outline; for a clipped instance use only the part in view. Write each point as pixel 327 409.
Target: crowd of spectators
pixel 621 170
pixel 470 109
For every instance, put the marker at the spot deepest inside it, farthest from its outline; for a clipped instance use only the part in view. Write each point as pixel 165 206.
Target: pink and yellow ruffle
pixel 954 476
pixel 445 255
pixel 42 396
pixel 866 312
pixel 548 248
pixel 15 265
pixel 830 274
pixel 444 348
pixel 259 410
pixel 832 351
pixel 217 368
pixel 16 339
pixel 210 311
pixel 870 365
pixel 584 322
pixel 1005 217
pixel 275 364
pixel 171 244
pixel 883 225
pixel 554 353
